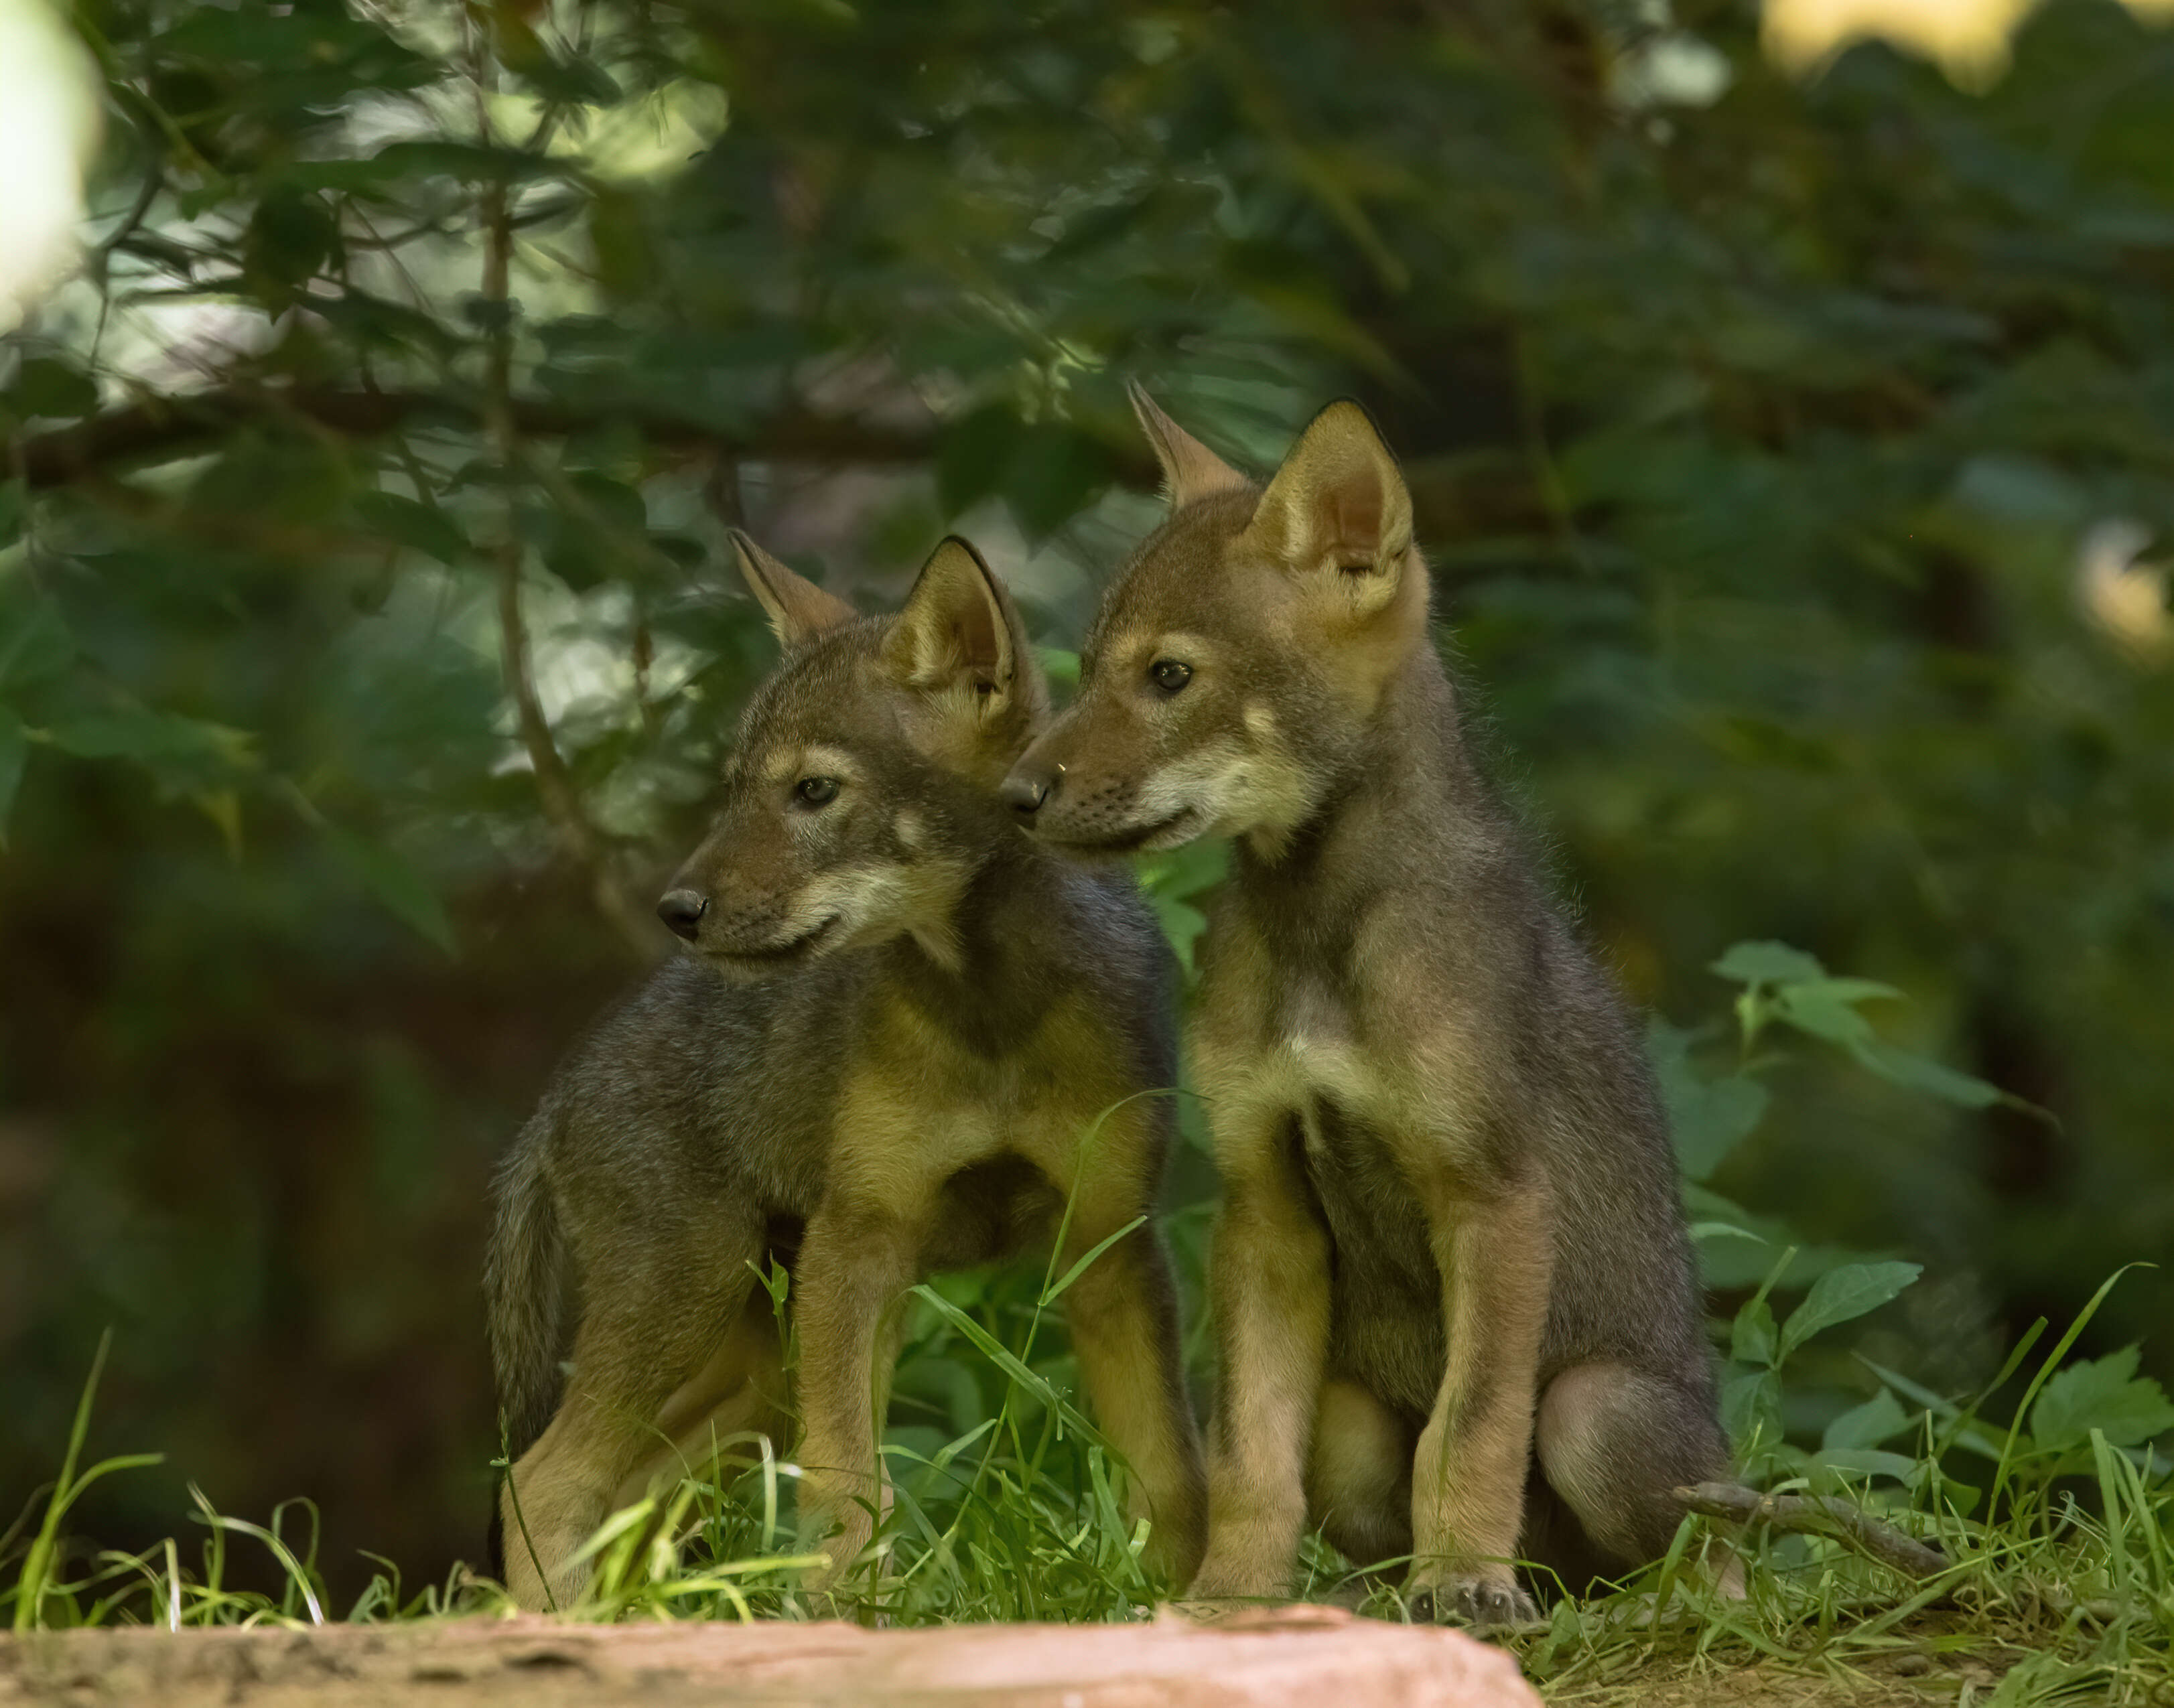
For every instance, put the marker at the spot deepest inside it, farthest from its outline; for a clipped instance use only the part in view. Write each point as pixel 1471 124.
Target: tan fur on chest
pixel 919 1104
pixel 1275 1045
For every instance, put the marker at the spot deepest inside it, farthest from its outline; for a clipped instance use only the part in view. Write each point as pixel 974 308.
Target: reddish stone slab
pixel 1310 1656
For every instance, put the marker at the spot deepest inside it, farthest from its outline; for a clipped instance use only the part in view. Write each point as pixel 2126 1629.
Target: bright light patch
pixel 1968 38
pixel 48 126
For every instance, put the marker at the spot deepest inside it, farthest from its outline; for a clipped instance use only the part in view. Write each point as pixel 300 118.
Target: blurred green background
pixel 1791 455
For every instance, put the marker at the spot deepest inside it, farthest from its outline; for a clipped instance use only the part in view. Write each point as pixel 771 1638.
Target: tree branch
pixel 554 785
pixel 1815 1515
pixel 161 430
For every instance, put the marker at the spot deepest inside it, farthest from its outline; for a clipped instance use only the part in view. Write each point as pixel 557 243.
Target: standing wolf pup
pixel 900 1022
pixel 1451 1242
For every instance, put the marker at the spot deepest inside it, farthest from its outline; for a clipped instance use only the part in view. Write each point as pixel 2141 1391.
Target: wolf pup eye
pixel 1169 675
pixel 816 792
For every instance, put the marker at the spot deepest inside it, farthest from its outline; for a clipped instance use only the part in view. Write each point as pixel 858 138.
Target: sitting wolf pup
pixel 1451 1251
pixel 885 1057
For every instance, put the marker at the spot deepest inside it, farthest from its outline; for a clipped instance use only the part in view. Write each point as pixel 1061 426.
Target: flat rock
pixel 1315 1656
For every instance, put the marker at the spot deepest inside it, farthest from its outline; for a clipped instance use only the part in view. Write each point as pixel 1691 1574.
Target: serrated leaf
pixel 1840 1295
pixel 395 883
pixel 1767 963
pixel 35 642
pixel 409 522
pixel 2105 1394
pixel 1879 1419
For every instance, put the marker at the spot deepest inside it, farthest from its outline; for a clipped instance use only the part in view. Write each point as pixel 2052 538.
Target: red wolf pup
pixel 1457 1315
pixel 899 1026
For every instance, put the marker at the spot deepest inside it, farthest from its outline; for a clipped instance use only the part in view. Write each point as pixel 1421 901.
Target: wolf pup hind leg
pixel 906 1039
pixel 1452 1249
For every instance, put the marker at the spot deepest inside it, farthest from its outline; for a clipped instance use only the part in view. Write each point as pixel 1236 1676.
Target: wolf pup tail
pixel 523 1292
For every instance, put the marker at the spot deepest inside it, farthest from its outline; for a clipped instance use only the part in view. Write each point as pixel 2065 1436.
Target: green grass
pixel 2061 1530
pixel 2044 1489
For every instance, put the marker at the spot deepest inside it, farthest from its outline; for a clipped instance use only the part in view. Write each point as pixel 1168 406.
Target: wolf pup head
pixel 859 797
pixel 1239 657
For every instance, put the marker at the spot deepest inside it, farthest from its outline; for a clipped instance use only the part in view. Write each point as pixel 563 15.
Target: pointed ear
pixel 1339 504
pixel 798 609
pixel 1190 470
pixel 959 629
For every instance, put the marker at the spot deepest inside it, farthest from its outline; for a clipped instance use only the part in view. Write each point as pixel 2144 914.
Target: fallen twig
pixel 1816 1515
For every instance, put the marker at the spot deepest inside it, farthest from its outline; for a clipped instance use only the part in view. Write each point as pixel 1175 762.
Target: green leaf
pixel 971 455
pixel 1751 1407
pixel 1860 1462
pixel 47 385
pixel 1752 1340
pixel 1767 964
pixel 408 522
pixel 14 748
pixel 2104 1394
pixel 1843 1294
pixel 1879 1419
pixel 394 882
pixel 1181 924
pixel 151 737
pixel 291 239
pixel 1051 474
pixel 1707 1118
pixel 1921 1073
pixel 35 642
pixel 1827 1008
pixel 1060 664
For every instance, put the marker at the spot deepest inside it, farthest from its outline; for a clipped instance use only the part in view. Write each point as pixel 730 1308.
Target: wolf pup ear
pixel 798 609
pixel 1190 470
pixel 960 631
pixel 1338 505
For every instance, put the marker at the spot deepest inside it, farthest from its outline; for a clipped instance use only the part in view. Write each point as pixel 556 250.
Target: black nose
pixel 682 911
pixel 1025 788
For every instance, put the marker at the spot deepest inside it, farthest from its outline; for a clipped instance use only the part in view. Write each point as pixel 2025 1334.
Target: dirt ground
pixel 1316 1657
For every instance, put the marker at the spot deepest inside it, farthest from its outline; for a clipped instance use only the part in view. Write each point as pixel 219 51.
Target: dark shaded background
pixel 1766 436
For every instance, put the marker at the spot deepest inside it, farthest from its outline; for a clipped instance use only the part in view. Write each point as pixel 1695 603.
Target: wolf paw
pixel 1478 1602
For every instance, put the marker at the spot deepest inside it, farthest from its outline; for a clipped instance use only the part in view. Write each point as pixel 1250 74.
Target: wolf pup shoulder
pixel 899 1021
pixel 1452 1250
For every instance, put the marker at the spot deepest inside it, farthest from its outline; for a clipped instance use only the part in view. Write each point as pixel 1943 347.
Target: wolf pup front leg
pixel 1122 1312
pixel 1269 1276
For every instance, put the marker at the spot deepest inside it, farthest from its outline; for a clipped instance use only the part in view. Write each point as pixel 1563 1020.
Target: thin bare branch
pixel 1815 1515
pixel 162 430
pixel 554 785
